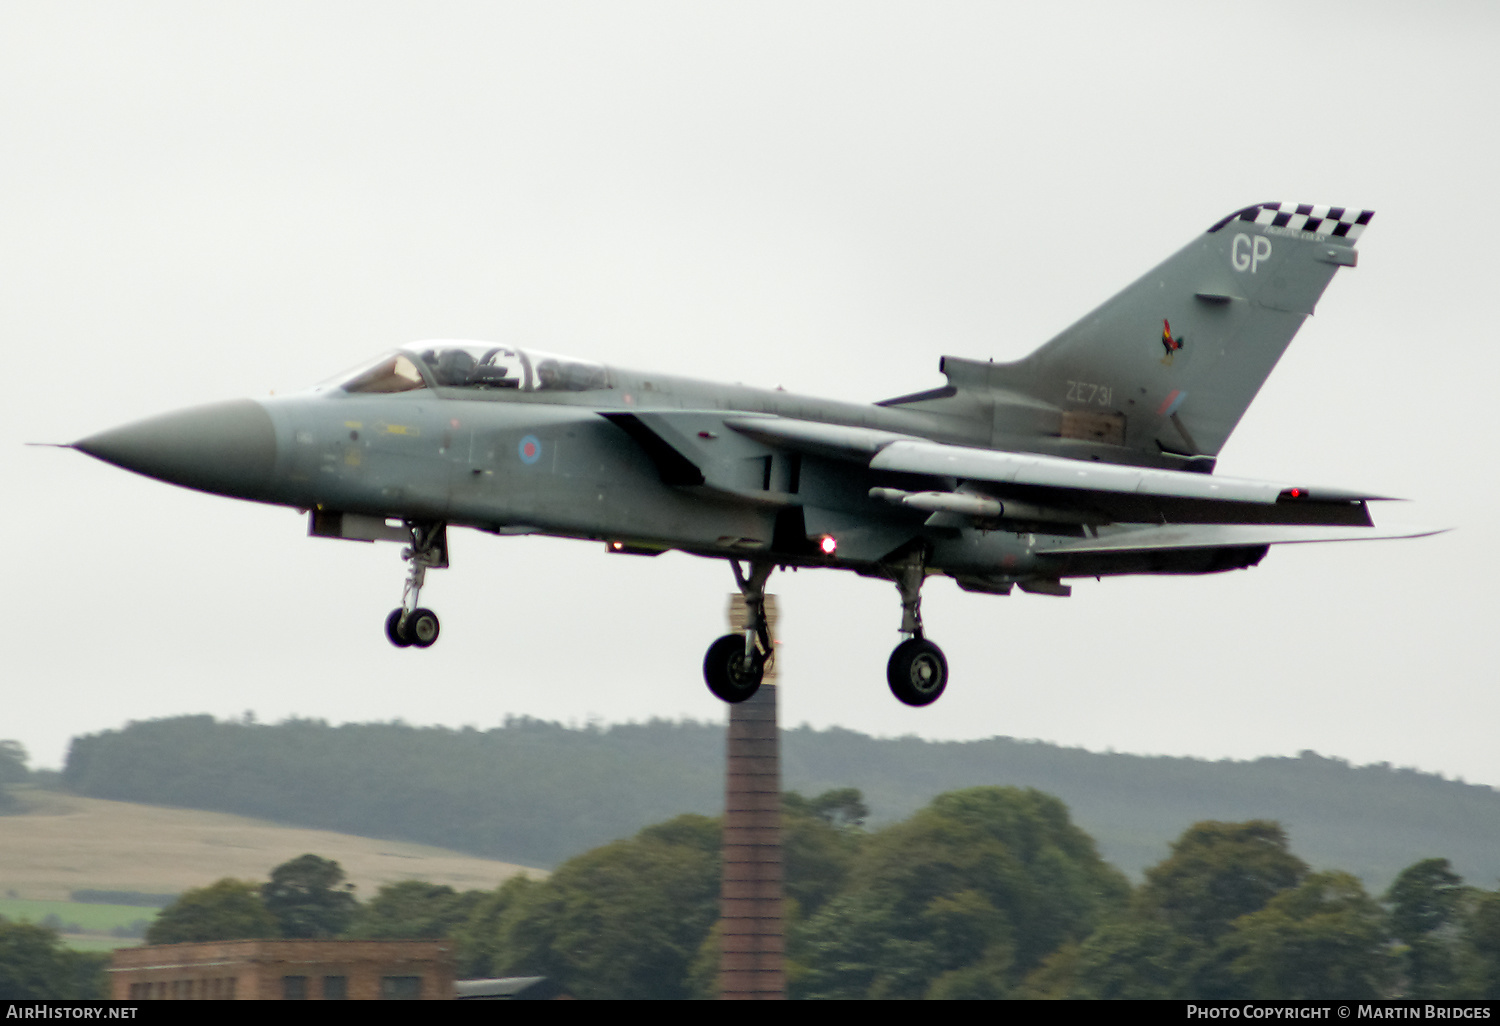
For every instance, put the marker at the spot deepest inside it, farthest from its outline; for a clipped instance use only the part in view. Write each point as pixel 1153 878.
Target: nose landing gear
pixel 410 624
pixel 736 663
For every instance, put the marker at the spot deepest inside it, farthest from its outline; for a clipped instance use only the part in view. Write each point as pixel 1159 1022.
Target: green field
pixel 77 917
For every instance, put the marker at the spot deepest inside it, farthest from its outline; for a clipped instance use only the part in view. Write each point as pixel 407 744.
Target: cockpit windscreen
pixel 476 366
pixel 394 372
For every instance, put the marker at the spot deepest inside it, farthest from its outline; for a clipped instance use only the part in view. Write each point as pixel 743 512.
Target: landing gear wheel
pixel 393 630
pixel 422 627
pixel 917 672
pixel 428 551
pixel 725 671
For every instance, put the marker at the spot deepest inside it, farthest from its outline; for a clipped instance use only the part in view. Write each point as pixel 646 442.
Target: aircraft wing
pixel 1105 490
pixel 885 450
pixel 1214 536
pixel 1060 472
pixel 837 441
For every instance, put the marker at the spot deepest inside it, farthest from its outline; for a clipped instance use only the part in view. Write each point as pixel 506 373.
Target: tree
pixel 1218 872
pixel 1482 934
pixel 226 910
pixel 13 763
pixel 622 921
pixel 413 909
pixel 859 947
pixel 1132 959
pixel 1172 943
pixel 841 807
pixel 478 939
pixel 35 965
pixel 1324 939
pixel 1425 902
pixel 819 841
pixel 12 771
pixel 308 898
pixel 962 899
pixel 1423 898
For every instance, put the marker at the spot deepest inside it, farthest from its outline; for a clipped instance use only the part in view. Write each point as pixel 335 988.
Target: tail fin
pixel 1173 361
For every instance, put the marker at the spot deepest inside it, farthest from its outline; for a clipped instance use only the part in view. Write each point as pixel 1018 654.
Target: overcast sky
pixel 207 201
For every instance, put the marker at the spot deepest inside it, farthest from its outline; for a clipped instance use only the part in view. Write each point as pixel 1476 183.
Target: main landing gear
pixel 410 624
pixel 917 671
pixel 736 663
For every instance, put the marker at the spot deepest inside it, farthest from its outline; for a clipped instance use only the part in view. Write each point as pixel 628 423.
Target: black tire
pixel 724 669
pixel 422 627
pixel 917 672
pixel 393 630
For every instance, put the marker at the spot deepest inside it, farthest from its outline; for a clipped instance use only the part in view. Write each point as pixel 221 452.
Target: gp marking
pixel 1245 253
pixel 1085 392
pixel 530 450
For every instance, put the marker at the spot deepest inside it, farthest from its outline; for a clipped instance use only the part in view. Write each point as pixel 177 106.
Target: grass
pixel 90 917
pixel 85 926
pixel 63 843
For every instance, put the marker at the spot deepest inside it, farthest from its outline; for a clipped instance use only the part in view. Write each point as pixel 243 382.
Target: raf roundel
pixel 530 450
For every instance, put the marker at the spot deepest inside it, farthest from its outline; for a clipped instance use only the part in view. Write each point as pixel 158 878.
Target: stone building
pixel 275 970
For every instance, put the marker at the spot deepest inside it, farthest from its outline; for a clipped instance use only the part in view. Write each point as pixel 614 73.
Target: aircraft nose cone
pixel 228 448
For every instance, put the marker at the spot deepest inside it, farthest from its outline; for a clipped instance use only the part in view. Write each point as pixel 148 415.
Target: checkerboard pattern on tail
pixel 1344 222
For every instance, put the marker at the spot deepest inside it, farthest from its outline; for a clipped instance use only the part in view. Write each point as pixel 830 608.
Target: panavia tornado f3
pixel 1094 456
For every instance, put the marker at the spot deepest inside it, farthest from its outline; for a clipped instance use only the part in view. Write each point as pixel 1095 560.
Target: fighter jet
pixel 1092 457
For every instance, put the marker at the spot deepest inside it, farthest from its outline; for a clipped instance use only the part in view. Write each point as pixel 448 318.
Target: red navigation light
pixel 828 544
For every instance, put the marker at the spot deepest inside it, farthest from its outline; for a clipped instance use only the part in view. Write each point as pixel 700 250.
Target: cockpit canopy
pixel 474 365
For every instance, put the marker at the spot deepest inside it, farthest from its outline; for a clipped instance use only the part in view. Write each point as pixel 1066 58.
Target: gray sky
pixel 206 201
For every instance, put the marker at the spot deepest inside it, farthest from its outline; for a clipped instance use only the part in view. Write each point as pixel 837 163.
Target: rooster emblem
pixel 1170 344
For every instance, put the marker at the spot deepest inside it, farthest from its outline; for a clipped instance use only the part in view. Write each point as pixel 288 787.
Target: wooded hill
pixel 537 793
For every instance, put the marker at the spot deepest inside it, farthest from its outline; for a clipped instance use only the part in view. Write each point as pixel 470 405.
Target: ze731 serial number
pixel 1085 392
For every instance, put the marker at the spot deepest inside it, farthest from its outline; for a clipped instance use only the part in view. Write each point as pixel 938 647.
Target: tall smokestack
pixel 753 952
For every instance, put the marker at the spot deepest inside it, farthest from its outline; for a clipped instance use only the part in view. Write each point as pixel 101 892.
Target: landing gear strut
pixel 917 672
pixel 410 624
pixel 736 662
